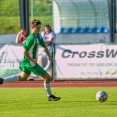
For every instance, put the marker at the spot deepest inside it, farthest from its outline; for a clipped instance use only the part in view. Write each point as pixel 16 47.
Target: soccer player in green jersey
pixel 29 62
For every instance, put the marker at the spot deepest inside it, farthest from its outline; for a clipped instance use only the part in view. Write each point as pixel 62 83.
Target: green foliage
pixel 14 26
pixel 10 14
pixel 41 7
pixel 44 1
pixel 75 102
pixel 9 8
pixel 9 25
pixel 42 10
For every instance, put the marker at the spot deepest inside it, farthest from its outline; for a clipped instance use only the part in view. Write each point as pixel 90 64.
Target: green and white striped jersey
pixel 32 45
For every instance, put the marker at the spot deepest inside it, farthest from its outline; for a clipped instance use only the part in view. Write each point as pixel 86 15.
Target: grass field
pixel 14 25
pixel 75 102
pixel 10 16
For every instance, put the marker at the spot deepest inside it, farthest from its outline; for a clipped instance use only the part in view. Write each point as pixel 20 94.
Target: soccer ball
pixel 101 96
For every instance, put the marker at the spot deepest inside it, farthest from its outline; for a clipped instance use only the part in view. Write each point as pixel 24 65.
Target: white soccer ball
pixel 101 96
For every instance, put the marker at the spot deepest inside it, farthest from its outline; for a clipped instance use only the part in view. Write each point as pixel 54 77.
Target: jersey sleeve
pixel 42 43
pixel 28 44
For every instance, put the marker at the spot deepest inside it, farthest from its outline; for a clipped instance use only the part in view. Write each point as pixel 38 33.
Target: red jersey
pixel 22 38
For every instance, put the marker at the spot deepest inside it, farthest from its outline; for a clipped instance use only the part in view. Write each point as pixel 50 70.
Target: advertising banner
pixel 10 60
pixel 11 57
pixel 86 61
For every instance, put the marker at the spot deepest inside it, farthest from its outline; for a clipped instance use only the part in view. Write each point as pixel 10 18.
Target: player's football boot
pixel 1 80
pixel 53 98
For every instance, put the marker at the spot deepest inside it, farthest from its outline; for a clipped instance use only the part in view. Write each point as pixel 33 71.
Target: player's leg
pixel 51 97
pixel 25 73
pixel 9 79
pixel 39 71
pixel 22 77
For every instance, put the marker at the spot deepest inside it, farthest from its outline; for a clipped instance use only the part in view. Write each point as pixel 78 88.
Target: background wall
pixel 65 38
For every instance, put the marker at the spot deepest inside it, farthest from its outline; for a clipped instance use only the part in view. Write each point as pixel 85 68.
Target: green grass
pixel 10 14
pixel 75 102
pixel 13 25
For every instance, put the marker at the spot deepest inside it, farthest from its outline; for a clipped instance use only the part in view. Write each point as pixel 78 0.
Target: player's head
pixel 47 29
pixel 35 26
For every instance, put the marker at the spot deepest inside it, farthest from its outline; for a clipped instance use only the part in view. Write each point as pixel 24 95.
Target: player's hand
pixel 34 61
pixel 51 59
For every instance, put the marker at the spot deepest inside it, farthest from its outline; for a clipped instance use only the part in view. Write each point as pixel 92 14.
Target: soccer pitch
pixel 75 102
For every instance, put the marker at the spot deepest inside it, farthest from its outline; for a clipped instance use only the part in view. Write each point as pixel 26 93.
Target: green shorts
pixel 37 70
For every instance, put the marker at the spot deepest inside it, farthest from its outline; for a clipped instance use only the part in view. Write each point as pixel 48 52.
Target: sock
pixel 48 90
pixel 11 79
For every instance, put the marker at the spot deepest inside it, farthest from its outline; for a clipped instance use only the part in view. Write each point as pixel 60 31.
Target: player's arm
pixel 45 49
pixel 27 55
pixel 48 53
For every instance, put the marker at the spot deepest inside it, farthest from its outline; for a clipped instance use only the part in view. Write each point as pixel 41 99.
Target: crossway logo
pixel 98 54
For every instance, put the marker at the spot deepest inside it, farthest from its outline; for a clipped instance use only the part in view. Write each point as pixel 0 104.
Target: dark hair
pixel 48 27
pixel 35 23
